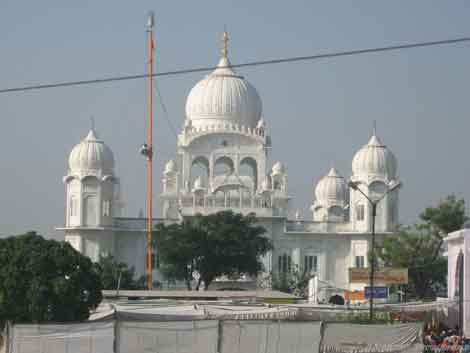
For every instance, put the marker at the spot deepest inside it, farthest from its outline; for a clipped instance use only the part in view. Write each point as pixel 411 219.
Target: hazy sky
pixel 318 113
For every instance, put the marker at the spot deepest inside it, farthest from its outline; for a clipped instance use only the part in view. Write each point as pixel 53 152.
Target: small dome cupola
pixel 278 169
pixel 374 159
pixel 331 189
pixel 223 97
pixel 170 167
pixel 91 156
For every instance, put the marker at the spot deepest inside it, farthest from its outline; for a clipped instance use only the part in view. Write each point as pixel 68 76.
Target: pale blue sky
pixel 318 113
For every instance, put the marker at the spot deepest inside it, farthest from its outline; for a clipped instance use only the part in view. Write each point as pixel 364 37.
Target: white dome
pixel 223 97
pixel 375 159
pixel 266 184
pixel 331 188
pixel 278 168
pixel 91 155
pixel 170 167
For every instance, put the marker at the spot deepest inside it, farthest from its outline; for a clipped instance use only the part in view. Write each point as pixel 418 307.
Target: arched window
pixel 248 167
pixel 284 263
pixel 335 214
pixel 199 168
pixel 310 264
pixel 318 214
pixel 360 212
pixel 223 166
pixel 73 206
pixel 90 184
pixel 107 208
pixel 90 210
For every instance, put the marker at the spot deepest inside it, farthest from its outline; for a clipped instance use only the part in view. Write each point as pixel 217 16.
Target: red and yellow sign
pixel 385 275
pixel 356 295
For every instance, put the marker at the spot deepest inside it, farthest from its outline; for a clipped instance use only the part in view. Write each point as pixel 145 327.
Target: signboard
pixel 385 275
pixel 379 292
pixel 357 295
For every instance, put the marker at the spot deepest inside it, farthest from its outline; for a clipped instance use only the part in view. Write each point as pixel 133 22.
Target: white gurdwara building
pixel 222 163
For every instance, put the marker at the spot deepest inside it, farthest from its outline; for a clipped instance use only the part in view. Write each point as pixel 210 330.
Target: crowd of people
pixel 448 340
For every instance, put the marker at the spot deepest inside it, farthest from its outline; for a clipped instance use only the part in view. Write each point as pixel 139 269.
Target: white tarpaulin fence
pixel 270 336
pixel 95 337
pixel 212 336
pixel 344 337
pixel 165 337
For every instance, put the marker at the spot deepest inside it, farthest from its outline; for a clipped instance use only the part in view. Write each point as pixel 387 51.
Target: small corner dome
pixel 91 155
pixel 278 168
pixel 266 184
pixel 170 166
pixel 222 97
pixel 375 159
pixel 331 188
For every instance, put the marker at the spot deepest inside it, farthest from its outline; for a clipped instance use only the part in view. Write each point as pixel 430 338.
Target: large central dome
pixel 223 97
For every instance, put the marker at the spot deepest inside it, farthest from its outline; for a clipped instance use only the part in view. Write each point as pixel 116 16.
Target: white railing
pixel 190 134
pixel 136 224
pixel 317 227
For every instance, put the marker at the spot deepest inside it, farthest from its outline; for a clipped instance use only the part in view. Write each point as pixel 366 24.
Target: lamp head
pixel 396 186
pixel 352 185
pixel 151 21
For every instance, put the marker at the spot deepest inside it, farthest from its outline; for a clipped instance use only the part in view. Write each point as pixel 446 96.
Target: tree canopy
pixel 415 250
pixel 45 280
pixel 202 248
pixel 447 217
pixel 114 274
pixel 419 248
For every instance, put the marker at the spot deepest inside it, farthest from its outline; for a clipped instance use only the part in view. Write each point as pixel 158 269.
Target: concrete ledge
pixel 204 295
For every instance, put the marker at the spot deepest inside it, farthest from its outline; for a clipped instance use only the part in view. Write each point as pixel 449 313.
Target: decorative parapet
pixel 135 224
pixel 259 211
pixel 191 133
pixel 317 227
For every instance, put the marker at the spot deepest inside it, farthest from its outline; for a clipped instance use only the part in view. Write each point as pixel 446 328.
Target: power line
pixel 165 112
pixel 253 63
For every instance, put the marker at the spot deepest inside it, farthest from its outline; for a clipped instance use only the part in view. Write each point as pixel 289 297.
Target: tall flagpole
pixel 150 25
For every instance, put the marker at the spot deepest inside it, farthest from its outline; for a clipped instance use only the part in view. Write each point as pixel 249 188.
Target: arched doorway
pixel 458 289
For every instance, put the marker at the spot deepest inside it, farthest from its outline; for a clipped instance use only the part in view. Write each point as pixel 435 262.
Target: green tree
pixel 45 280
pixel 219 244
pixel 114 274
pixel 414 249
pixel 419 248
pixel 447 217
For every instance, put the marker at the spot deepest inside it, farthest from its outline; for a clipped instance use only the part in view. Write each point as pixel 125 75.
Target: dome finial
pixel 225 41
pixel 374 128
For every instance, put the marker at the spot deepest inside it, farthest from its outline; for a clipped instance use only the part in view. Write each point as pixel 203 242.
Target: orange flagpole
pixel 150 159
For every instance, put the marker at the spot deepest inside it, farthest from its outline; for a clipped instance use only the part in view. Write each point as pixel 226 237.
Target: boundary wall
pixel 214 336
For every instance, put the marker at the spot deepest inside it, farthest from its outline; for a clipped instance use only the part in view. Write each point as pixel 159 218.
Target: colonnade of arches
pixel 223 166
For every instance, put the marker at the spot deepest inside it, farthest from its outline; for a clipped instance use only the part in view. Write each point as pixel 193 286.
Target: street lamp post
pixel 373 204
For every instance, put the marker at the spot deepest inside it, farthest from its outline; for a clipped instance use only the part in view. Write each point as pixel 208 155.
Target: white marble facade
pixel 221 163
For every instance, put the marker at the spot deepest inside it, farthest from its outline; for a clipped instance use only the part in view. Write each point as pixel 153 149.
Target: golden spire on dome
pixel 225 39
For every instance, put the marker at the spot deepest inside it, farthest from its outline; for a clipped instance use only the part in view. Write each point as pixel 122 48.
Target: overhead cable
pixel 253 63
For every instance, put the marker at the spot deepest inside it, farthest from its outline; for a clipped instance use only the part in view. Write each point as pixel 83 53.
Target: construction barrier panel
pixel 270 336
pixel 96 337
pixel 215 336
pixel 165 337
pixel 347 337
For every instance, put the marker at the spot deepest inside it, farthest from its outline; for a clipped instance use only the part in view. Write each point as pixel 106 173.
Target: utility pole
pixel 373 204
pixel 147 151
